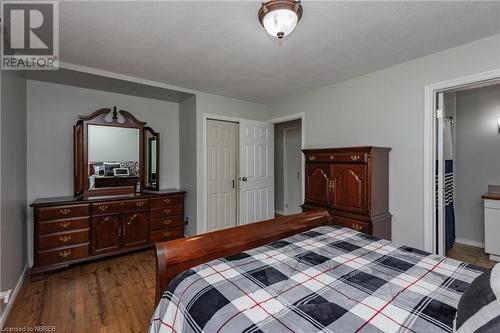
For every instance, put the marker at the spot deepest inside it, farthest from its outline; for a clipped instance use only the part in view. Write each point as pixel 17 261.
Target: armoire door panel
pixel 317 184
pixel 106 233
pixel 348 187
pixel 135 229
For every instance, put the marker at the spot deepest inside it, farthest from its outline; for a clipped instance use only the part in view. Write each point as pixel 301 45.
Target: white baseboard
pixel 279 212
pixel 13 297
pixel 469 242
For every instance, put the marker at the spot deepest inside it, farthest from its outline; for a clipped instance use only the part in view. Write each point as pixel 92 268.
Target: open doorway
pixel 288 167
pixel 468 170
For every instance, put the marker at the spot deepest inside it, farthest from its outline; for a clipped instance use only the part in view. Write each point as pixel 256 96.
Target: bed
pixel 302 274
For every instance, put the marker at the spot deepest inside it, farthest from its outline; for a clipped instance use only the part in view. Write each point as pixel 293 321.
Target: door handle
pixel 244 179
pixel 233 183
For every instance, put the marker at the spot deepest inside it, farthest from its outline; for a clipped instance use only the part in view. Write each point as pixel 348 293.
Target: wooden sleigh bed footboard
pixel 176 256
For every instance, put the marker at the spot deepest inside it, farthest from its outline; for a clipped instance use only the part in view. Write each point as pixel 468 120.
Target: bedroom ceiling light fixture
pixel 280 17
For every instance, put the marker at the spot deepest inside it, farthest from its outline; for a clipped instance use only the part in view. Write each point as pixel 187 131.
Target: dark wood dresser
pixel 353 184
pixel 75 229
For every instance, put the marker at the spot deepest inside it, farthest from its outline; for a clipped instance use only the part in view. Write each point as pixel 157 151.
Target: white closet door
pixel 256 171
pixel 222 145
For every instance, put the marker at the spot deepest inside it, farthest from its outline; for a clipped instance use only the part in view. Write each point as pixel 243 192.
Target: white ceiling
pixel 220 47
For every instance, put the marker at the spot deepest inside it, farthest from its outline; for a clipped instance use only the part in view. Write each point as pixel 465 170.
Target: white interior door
pixel 440 174
pixel 222 145
pixel 292 167
pixel 256 171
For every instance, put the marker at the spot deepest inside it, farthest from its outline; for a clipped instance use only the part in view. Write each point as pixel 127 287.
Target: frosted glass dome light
pixel 279 17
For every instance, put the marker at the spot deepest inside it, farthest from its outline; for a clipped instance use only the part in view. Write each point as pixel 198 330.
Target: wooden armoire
pixel 353 184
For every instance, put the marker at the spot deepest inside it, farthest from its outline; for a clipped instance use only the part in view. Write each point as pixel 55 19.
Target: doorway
pixel 288 167
pixel 470 156
pixel 443 166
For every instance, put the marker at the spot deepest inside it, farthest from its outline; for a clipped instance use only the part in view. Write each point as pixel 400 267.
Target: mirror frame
pixel 147 148
pixel 81 181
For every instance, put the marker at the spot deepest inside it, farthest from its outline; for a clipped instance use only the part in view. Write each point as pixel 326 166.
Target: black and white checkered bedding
pixel 328 279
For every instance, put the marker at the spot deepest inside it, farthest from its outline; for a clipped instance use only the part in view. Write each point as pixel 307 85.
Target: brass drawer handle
pixel 167 211
pixel 357 227
pixel 312 158
pixel 167 233
pixel 167 221
pixel 167 200
pixel 331 185
pixel 139 203
pixel 65 211
pixel 332 157
pixel 355 157
pixel 64 253
pixel 103 208
pixel 65 224
pixel 65 238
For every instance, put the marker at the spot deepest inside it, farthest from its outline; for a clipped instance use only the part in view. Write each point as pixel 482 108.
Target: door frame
pixel 285 189
pixel 204 174
pixel 302 117
pixel 430 153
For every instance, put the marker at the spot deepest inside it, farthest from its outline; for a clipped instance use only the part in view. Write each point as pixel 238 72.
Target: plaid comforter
pixel 328 279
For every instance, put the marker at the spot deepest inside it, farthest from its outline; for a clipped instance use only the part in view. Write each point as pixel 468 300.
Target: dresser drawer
pixel 107 207
pixel 52 241
pixel 63 225
pixel 338 157
pixel 167 211
pixel 167 201
pixel 61 212
pixel 352 223
pixel 60 256
pixel 165 235
pixel 166 222
pixel 135 204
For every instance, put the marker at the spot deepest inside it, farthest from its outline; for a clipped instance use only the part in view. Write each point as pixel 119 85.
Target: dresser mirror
pixel 114 153
pixel 151 159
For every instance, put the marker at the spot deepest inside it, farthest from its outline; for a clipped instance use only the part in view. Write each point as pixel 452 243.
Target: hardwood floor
pixel 474 255
pixel 114 295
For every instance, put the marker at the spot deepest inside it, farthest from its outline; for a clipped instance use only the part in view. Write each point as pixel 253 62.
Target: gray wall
pixel 386 108
pixel 279 195
pixel 477 162
pixel 53 109
pixel 187 161
pixel 13 250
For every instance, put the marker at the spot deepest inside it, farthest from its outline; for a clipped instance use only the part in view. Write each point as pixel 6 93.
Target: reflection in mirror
pixel 113 156
pixel 152 155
